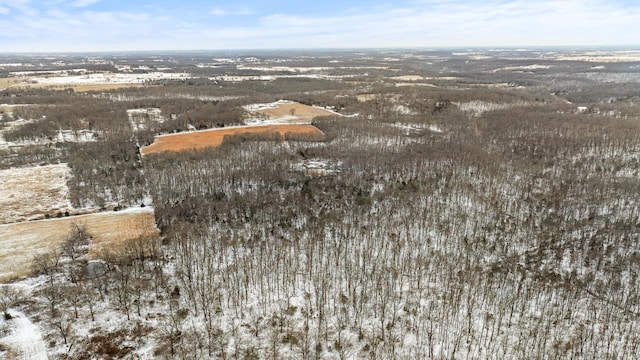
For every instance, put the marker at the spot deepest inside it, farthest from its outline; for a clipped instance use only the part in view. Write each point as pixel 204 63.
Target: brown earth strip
pixel 215 137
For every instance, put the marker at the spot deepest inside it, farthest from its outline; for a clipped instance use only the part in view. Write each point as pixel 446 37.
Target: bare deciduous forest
pixel 456 209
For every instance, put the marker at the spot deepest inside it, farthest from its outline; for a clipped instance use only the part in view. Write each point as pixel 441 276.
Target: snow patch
pixel 107 78
pixel 317 167
pixel 403 110
pixel 138 118
pixel 25 338
pixel 524 67
pixel 265 106
pixel 283 112
pixel 413 128
pixel 478 107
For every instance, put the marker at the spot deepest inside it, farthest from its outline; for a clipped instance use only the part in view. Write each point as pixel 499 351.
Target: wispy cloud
pixel 84 3
pixel 467 23
pixel 216 11
pixel 62 25
pixel 21 6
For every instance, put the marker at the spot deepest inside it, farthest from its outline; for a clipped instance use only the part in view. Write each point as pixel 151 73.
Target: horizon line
pixel 629 47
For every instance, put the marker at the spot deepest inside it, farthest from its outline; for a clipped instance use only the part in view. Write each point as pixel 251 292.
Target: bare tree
pixel 9 297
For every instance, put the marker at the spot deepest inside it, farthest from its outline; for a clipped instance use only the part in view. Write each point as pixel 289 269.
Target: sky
pixel 129 25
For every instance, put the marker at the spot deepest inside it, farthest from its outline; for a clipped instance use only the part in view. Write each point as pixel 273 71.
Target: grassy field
pixel 6 82
pixel 6 108
pixel 21 242
pixel 84 87
pixel 78 87
pixel 30 193
pixel 291 112
pixel 215 137
pixel 23 83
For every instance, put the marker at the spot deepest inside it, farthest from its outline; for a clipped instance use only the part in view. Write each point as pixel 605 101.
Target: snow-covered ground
pixel 75 136
pixel 524 67
pixel 479 107
pixel 24 340
pixel 286 119
pixel 420 78
pixel 9 126
pixel 403 110
pixel 265 106
pixel 128 97
pixel 307 69
pixel 238 78
pixel 600 56
pixel 61 136
pixel 106 78
pixel 317 167
pixel 138 117
pixel 411 128
pixel 283 112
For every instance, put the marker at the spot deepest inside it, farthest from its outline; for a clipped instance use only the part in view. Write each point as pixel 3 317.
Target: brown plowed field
pixel 214 137
pixel 21 242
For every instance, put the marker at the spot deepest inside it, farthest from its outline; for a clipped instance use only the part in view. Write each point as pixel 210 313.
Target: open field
pixel 215 137
pixel 24 83
pixel 82 87
pixel 87 82
pixel 7 82
pixel 408 78
pixel 8 108
pixel 414 84
pixel 21 242
pixel 31 192
pixel 366 97
pixel 285 112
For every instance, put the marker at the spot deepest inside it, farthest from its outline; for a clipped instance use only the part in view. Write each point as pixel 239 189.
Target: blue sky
pixel 105 25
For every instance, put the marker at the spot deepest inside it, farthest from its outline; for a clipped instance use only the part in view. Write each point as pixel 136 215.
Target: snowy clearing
pixel 401 84
pixel 413 128
pixel 106 78
pixel 317 167
pixel 477 107
pixel 366 97
pixel 403 110
pixel 8 108
pixel 24 340
pixel 524 67
pixel 602 56
pixel 8 126
pixel 240 78
pixel 138 118
pixel 307 69
pixel 63 135
pixel 408 78
pixel 283 112
pixel 89 81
